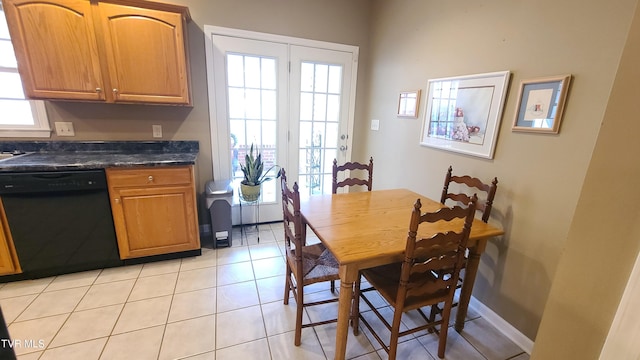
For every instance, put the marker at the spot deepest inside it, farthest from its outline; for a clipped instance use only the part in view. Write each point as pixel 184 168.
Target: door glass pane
pixel 320 107
pixel 269 134
pixel 236 127
pixel 252 72
pixel 307 76
pixel 253 133
pixel 330 154
pixel 320 83
pixel 269 107
pixel 305 134
pixel 320 96
pixel 235 70
pixel 331 140
pixel 252 112
pixel 268 73
pixel 335 79
pixel 252 102
pixel 333 108
pixel 306 106
pixel 236 103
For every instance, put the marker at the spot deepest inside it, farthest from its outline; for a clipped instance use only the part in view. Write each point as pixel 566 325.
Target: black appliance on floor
pixel 60 221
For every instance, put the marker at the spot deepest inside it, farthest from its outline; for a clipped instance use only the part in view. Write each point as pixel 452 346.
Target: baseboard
pixel 503 326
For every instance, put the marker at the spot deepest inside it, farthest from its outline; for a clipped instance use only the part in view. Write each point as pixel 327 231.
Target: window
pixel 20 117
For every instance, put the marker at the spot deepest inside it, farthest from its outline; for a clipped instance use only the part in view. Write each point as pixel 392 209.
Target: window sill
pixel 21 133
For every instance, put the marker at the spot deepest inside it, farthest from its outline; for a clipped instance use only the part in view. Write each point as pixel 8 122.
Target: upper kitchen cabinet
pixel 125 51
pixel 145 52
pixel 56 48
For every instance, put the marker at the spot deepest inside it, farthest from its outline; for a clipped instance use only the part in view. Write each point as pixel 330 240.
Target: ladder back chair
pixel 470 184
pixel 475 185
pixel 427 276
pixel 351 181
pixel 306 264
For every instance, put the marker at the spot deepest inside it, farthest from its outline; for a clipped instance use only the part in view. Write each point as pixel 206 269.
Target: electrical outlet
pixel 64 128
pixel 375 124
pixel 157 131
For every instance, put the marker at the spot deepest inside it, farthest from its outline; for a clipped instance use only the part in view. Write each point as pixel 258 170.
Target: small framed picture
pixel 540 104
pixel 408 103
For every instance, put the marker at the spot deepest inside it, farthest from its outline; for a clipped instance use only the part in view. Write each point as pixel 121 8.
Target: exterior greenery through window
pixel 20 117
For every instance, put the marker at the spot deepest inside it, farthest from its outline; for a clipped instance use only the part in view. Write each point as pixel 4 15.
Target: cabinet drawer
pixel 149 176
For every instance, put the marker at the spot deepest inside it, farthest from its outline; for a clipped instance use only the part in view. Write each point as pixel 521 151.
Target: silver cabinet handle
pixel 98 90
pixel 150 178
pixel 117 200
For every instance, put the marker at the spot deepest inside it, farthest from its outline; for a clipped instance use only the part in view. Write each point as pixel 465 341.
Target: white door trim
pixel 211 30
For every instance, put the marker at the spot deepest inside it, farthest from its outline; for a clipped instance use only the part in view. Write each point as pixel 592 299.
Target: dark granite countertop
pixel 79 155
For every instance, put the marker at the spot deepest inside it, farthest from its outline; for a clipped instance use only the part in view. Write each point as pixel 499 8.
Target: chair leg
pixel 395 330
pixel 287 285
pixel 355 308
pixel 444 327
pixel 432 316
pixel 333 286
pixel 299 308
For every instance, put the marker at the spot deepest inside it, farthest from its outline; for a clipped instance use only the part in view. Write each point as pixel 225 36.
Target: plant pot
pixel 249 192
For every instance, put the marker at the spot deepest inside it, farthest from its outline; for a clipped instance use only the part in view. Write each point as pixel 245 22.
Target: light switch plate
pixel 375 124
pixel 157 131
pixel 64 128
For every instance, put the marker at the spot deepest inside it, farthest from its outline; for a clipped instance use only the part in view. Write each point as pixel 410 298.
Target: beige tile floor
pixel 225 304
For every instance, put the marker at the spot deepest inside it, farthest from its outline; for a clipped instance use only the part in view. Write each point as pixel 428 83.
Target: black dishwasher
pixel 60 221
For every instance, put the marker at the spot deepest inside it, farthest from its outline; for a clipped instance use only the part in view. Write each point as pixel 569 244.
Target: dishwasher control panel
pixel 52 181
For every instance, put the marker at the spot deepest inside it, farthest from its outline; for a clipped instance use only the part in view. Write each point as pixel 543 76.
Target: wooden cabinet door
pixel 154 210
pixel 8 261
pixel 146 54
pixel 56 48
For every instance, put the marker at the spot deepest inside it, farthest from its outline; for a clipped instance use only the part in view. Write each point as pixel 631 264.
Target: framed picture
pixel 408 103
pixel 540 104
pixel 463 113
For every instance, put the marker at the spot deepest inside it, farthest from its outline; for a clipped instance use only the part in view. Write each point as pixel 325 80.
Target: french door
pixel 292 99
pixel 320 95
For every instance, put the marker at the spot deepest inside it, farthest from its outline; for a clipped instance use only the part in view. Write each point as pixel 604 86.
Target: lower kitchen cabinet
pixel 8 258
pixel 154 210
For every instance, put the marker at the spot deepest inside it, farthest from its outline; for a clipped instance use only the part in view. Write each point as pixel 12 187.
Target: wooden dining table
pixel 367 229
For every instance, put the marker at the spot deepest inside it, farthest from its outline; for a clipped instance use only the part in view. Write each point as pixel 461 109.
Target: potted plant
pixel 254 175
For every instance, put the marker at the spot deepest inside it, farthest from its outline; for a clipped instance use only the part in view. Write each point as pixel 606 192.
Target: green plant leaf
pixel 253 169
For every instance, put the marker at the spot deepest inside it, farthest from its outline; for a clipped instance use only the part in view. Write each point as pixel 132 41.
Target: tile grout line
pixel 164 330
pixel 181 268
pixel 71 313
